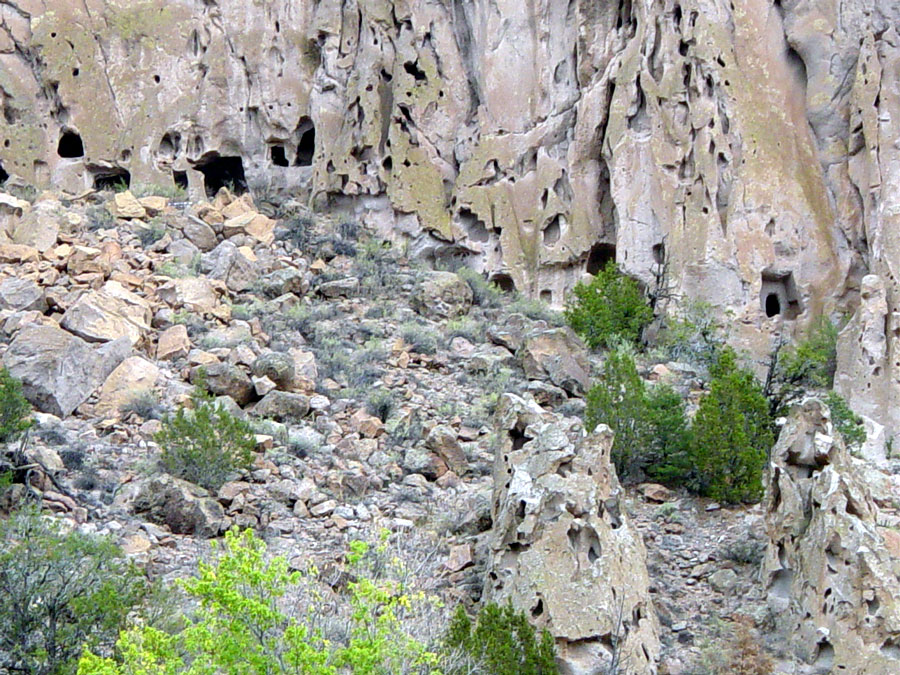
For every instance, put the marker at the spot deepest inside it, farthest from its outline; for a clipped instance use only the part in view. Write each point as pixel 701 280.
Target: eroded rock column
pixel 562 549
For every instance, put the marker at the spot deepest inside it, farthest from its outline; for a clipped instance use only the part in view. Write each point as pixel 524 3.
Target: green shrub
pixel 381 403
pixel 484 293
pixel 609 306
pixel 152 232
pixel 694 336
pixel 420 339
pixel 502 642
pixel 652 434
pixel 243 627
pixel 809 364
pixel 205 444
pixel 848 423
pixel 813 360
pixel 732 434
pixel 144 404
pixel 59 593
pixel 15 410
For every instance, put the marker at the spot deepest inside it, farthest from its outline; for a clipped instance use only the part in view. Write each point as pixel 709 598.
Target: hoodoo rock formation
pixel 562 548
pixel 832 584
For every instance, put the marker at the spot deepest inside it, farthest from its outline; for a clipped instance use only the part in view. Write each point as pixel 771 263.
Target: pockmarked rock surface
pixel 751 146
pixel 562 549
pixel 833 585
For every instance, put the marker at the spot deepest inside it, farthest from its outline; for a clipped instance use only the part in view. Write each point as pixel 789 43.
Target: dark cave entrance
pixel 70 146
pixel 504 282
pixel 111 179
pixel 181 179
pixel 278 156
pixel 599 257
pixel 4 176
pixel 219 172
pixel 779 295
pixel 306 148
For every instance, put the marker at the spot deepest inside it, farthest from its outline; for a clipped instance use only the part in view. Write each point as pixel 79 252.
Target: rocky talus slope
pixel 747 147
pixel 388 395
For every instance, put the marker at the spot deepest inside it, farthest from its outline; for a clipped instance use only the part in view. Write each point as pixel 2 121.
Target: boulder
pixel 283 406
pixel 226 379
pixel 194 294
pixel 284 280
pixel 444 440
pixel 832 584
pixel 134 376
pixel 126 205
pixel 174 343
pixel 256 225
pixel 226 263
pixel 58 370
pixel 277 367
pixel 339 288
pixel 39 227
pixel 108 314
pixel 557 355
pixel 22 295
pixel 562 549
pixel 442 294
pixel 181 506
pixel 200 234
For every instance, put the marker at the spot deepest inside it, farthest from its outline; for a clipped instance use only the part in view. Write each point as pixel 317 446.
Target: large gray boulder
pixel 58 370
pixel 562 548
pixel 442 294
pixel 557 355
pixel 183 507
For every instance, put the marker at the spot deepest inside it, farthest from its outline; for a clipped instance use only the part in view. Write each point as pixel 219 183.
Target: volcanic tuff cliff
pixel 748 144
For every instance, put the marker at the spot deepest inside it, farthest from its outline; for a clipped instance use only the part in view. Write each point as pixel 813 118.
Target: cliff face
pixel 750 145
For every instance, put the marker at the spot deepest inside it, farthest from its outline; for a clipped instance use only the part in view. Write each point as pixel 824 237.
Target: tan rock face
pixel 832 582
pixel 132 377
pixel 107 314
pixel 562 549
pixel 753 145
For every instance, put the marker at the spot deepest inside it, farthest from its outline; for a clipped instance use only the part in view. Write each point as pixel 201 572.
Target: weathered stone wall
pixel 752 144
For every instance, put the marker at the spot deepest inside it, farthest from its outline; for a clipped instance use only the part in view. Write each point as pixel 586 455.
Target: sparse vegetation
pixel 144 404
pixel 485 294
pixel 60 592
pixel 15 410
pixel 152 232
pixel 205 444
pixel 609 307
pixel 420 339
pixel 848 424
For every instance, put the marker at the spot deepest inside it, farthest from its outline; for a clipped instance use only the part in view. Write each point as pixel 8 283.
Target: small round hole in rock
pixel 70 146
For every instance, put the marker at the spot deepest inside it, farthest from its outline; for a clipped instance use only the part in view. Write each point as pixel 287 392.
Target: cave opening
pixel 181 179
pixel 111 179
pixel 504 282
pixel 70 146
pixel 278 156
pixel 779 295
pixel 306 147
pixel 599 257
pixel 4 176
pixel 219 172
